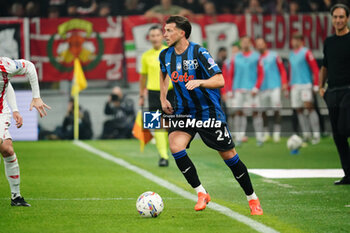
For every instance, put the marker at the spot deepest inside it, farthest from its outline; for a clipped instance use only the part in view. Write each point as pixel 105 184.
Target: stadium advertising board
pixel 97 42
pixel 223 30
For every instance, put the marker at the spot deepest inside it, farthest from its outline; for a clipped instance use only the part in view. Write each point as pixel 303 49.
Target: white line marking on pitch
pixel 277 183
pixel 87 199
pixel 347 205
pixel 298 173
pixel 175 189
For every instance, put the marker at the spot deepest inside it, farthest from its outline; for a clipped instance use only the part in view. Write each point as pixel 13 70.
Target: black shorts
pixel 218 139
pixel 154 100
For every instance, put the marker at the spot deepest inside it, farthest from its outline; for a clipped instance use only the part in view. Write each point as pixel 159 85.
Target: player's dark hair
pixel 340 5
pixel 259 37
pixel 155 27
pixel 221 49
pixel 181 23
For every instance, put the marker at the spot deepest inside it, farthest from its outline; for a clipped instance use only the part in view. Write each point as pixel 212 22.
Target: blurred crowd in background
pixel 103 8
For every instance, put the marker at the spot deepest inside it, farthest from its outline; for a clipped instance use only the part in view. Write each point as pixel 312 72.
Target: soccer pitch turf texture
pixel 73 190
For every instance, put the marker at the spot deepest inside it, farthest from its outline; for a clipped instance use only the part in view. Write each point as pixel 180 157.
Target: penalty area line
pixel 86 199
pixel 259 227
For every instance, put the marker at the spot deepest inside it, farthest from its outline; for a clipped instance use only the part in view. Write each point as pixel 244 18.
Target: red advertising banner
pixel 224 30
pixel 97 42
pixel 277 30
pixel 212 32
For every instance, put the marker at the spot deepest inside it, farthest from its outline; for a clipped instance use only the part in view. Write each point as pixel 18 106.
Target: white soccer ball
pixel 294 142
pixel 149 204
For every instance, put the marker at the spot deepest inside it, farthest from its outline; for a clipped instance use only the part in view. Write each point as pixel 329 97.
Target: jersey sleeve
pixel 227 77
pixel 162 61
pixel 282 70
pixel 313 66
pixel 143 64
pixel 261 74
pixel 11 98
pixel 12 67
pixel 207 62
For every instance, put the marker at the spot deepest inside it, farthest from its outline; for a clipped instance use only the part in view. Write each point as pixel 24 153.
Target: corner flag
pixel 79 84
pixel 144 135
pixel 79 80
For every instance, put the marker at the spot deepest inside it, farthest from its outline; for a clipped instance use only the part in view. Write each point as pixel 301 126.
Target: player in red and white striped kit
pixel 8 69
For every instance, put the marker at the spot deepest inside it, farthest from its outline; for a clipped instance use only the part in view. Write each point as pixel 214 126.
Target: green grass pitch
pixel 72 190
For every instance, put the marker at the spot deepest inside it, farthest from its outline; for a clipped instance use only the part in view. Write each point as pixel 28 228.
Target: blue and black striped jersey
pixel 195 63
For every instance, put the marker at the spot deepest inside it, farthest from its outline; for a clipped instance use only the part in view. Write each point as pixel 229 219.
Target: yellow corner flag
pixel 79 84
pixel 144 135
pixel 79 80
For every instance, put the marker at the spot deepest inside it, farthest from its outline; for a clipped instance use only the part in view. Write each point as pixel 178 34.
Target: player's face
pixel 296 43
pixel 156 37
pixel 235 49
pixel 245 43
pixel 339 19
pixel 260 45
pixel 172 34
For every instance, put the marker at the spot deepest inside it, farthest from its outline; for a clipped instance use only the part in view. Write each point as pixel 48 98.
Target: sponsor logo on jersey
pixel 190 64
pixel 176 77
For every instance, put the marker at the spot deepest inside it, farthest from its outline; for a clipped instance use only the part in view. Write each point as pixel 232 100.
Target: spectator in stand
pixel 53 12
pixel 328 4
pixel 17 10
pixel 82 8
pixel 315 5
pixel 192 5
pixel 133 7
pixel 104 9
pixel 294 7
pixel 121 110
pixel 225 8
pixel 32 9
pixel 209 9
pixel 254 7
pixel 269 6
pixel 166 8
pixel 281 7
pixel 59 4
pixel 238 8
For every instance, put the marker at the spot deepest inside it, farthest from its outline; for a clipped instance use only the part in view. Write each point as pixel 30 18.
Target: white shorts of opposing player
pixel 301 93
pixel 5 121
pixel 270 99
pixel 244 101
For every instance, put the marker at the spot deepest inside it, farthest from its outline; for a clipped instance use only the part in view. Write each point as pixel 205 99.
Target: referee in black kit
pixel 336 71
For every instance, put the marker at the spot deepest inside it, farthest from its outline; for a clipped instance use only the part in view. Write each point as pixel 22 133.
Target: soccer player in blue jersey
pixel 303 80
pixel 196 79
pixel 243 71
pixel 270 83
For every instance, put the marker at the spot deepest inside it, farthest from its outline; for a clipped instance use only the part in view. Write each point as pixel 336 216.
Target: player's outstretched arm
pixel 217 81
pixel 30 72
